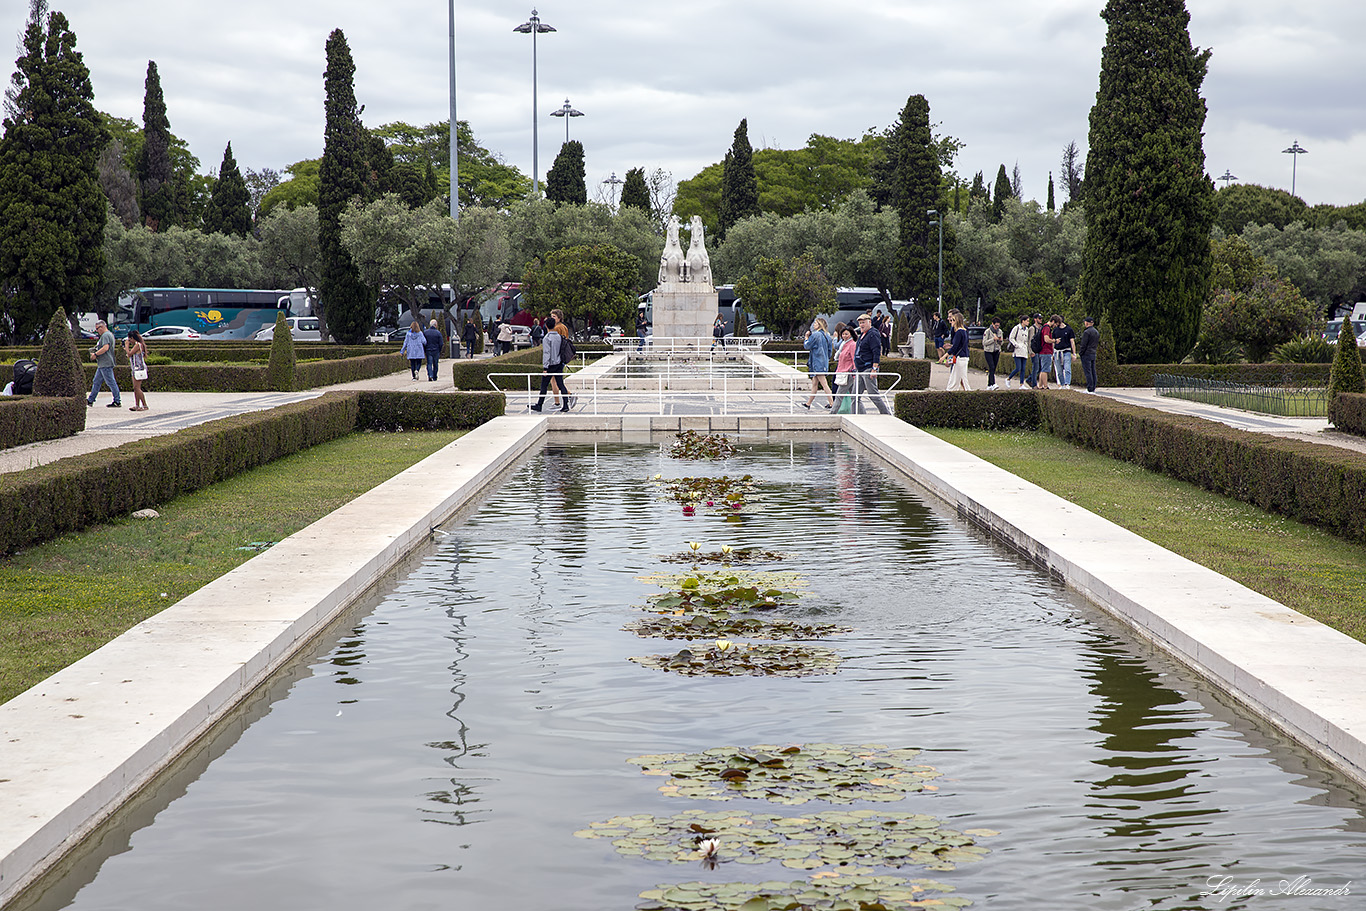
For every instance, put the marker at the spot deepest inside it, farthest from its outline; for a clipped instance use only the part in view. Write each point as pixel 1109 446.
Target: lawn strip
pixel 1302 567
pixel 63 599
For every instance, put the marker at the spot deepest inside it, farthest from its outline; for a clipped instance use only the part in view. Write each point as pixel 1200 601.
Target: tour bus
pixel 215 313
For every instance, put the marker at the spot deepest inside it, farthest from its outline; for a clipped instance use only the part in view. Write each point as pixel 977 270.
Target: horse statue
pixel 699 264
pixel 671 261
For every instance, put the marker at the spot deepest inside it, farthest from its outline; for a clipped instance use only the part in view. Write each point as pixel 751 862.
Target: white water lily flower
pixel 695 545
pixel 723 644
pixel 658 476
pixel 725 548
pixel 709 846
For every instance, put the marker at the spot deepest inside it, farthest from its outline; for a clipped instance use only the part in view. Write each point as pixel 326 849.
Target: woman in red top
pixel 1046 355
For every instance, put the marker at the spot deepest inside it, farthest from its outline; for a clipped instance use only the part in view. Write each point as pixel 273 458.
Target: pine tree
pixel 1000 194
pixel 565 181
pixel 634 190
pixel 739 185
pixel 349 303
pixel 978 195
pixel 156 176
pixel 52 211
pixel 229 209
pixel 917 190
pixel 1051 207
pixel 1149 204
pixel 1072 173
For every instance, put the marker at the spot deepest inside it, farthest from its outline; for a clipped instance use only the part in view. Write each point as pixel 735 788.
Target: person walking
pixel 432 341
pixel 136 349
pixel 103 356
pixel 415 347
pixel 844 369
pixel 537 332
pixel 1090 344
pixel 957 354
pixel 941 333
pixel 867 357
pixel 992 339
pixel 470 335
pixel 642 327
pixel 1019 349
pixel 1045 353
pixel 1035 346
pixel 557 323
pixel 1064 348
pixel 505 337
pixel 552 365
pixel 718 332
pixel 818 345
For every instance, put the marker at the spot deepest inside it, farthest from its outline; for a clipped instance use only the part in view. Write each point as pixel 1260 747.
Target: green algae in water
pixel 689 444
pixel 728 659
pixel 722 624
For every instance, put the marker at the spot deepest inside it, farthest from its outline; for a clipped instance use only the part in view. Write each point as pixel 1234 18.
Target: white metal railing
pixel 690 344
pixel 730 398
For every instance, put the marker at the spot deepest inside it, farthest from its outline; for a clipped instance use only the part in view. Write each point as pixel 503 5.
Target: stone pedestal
pixel 684 314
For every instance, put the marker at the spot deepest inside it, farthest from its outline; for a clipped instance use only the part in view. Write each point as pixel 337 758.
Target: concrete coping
pixel 81 743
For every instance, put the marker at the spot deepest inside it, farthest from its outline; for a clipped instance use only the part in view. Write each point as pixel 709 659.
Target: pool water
pixel 440 750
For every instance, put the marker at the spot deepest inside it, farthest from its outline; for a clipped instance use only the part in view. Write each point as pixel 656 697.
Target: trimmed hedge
pixel 969 410
pixel 914 374
pixel 1141 375
pixel 44 502
pixel 1349 413
pixel 473 373
pixel 33 418
pixel 239 378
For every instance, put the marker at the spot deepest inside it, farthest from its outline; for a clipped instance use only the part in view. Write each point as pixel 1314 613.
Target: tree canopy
pixel 739 183
pixel 786 294
pixel 228 211
pixel 635 191
pixel 565 181
pixel 597 283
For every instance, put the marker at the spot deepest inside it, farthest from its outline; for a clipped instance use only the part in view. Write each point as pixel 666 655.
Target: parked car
pixel 521 337
pixel 302 328
pixel 1330 331
pixel 162 333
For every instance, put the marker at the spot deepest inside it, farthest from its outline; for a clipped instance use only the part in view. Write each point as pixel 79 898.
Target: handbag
pixel 139 373
pixel 841 379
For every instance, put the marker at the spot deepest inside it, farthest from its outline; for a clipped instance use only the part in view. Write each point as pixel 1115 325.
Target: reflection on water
pixel 441 751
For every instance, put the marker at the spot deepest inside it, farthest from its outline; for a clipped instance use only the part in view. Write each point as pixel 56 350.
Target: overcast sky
pixel 665 84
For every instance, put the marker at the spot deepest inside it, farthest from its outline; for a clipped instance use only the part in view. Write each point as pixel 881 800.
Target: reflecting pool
pixel 440 749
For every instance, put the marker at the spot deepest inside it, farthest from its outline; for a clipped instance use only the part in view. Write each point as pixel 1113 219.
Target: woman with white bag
pixel 136 349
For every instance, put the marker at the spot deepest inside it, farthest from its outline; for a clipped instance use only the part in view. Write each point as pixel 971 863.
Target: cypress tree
pixel 978 195
pixel 229 209
pixel 916 187
pixel 348 304
pixel 634 191
pixel 1002 192
pixel 565 181
pixel 156 177
pixel 739 185
pixel 1051 207
pixel 52 211
pixel 1149 204
pixel 1344 376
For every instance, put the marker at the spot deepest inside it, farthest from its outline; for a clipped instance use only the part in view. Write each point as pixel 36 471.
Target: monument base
pixel 684 314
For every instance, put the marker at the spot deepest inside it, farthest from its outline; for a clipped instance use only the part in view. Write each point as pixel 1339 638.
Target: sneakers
pixel 806 405
pixel 993 386
pixel 114 405
pixel 89 403
pixel 536 408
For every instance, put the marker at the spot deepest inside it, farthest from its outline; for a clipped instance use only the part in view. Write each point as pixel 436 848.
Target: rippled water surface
pixel 439 752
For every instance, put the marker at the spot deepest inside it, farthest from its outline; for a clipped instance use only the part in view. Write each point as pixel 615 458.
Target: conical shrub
pixel 1346 374
pixel 59 366
pixel 280 372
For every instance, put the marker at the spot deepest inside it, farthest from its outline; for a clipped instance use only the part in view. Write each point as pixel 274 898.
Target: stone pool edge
pixel 1303 676
pixel 78 745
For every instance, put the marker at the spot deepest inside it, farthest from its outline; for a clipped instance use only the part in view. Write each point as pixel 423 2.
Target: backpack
pixel 567 352
pixel 1036 341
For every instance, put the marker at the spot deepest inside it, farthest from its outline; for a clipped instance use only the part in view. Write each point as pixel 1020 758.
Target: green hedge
pixel 44 502
pixel 969 410
pixel 1349 413
pixel 210 377
pixel 914 374
pixel 392 411
pixel 1141 375
pixel 28 419
pixel 473 373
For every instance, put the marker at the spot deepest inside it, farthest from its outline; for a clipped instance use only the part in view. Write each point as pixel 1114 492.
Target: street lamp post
pixel 939 220
pixel 1227 177
pixel 455 159
pixel 566 112
pixel 534 27
pixel 614 181
pixel 1295 151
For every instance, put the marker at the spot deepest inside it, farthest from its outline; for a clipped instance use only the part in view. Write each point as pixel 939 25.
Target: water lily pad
pixel 735 555
pixel 721 624
pixel 855 892
pixel 748 661
pixel 693 445
pixel 792 775
pixel 722 494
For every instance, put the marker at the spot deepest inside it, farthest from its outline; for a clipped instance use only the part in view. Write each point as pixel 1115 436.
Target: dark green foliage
pixel 565 181
pixel 1313 350
pixel 280 370
pixel 59 366
pixel 1241 204
pixel 978 195
pixel 787 295
pixel 32 418
pixel 52 211
pixel 414 183
pixel 343 176
pixel 739 185
pixel 156 175
pixel 915 374
pixel 635 192
pixel 598 282
pixel 1000 194
pixel 1149 202
pixel 1072 173
pixel 969 410
pixel 914 158
pixel 396 411
pixel 1107 358
pixel 1259 318
pixel 229 209
pixel 473 374
pixel 1346 375
pixel 1038 295
pixel 1349 412
pixel 1051 207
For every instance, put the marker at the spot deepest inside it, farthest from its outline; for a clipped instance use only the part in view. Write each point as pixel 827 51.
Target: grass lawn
pixel 62 600
pixel 1302 567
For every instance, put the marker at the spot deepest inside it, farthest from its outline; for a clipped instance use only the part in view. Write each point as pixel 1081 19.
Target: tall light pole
pixel 1295 151
pixel 939 220
pixel 534 27
pixel 455 154
pixel 614 181
pixel 566 112
pixel 1227 177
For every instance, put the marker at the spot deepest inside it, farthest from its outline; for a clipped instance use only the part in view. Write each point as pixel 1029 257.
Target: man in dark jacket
pixel 867 356
pixel 1086 350
pixel 469 336
pixel 432 343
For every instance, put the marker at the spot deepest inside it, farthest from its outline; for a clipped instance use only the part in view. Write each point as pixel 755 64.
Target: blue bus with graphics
pixel 215 313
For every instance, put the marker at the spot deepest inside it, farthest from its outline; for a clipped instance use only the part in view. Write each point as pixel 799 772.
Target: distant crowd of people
pixel 1040 348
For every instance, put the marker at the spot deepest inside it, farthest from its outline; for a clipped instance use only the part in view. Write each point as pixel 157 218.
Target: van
pixel 302 328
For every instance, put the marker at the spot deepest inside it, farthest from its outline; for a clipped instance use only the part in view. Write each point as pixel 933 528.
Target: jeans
pixel 432 369
pixel 1033 378
pixel 993 358
pixel 554 373
pixel 104 376
pixel 866 381
pixel 1062 367
pixel 1019 367
pixel 1088 367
